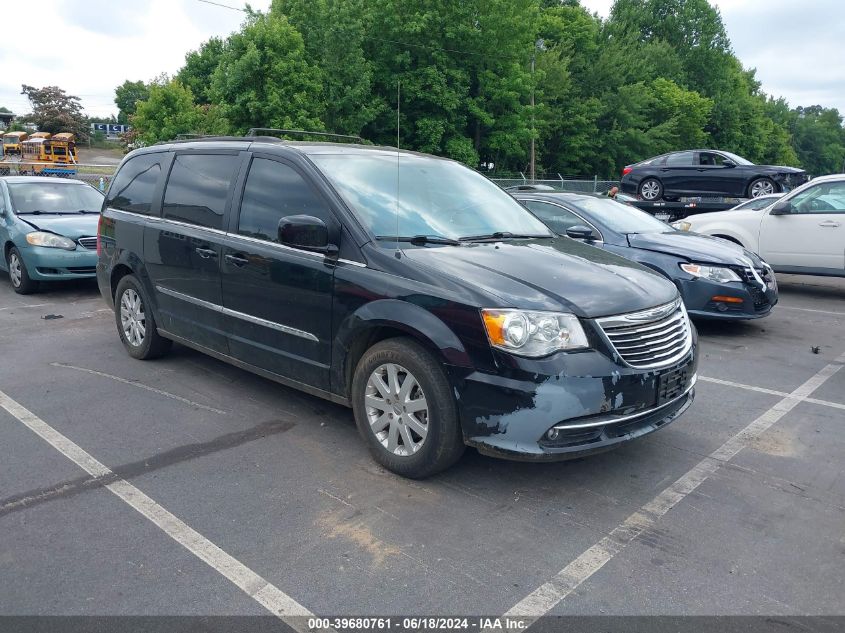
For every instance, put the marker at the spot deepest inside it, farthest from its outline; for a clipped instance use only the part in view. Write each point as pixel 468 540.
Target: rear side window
pixel 274 190
pixel 133 188
pixel 681 159
pixel 198 187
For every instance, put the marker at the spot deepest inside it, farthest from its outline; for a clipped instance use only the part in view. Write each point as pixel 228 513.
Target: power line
pixel 225 6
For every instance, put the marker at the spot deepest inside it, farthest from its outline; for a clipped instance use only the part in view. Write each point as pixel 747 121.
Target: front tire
pixel 404 409
pixel 761 187
pixel 18 274
pixel 651 189
pixel 136 324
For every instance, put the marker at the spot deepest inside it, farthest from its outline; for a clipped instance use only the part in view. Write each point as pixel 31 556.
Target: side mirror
pixel 580 232
pixel 783 207
pixel 305 232
pixel 728 163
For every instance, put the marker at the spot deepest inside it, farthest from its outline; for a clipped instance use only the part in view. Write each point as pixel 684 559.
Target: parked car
pixel 405 286
pixel 802 233
pixel 707 172
pixel 48 229
pixel 716 279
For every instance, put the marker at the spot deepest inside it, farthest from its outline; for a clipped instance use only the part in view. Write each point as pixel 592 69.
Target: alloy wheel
pixel 15 272
pixel 132 317
pixel 650 190
pixel 762 188
pixel 397 410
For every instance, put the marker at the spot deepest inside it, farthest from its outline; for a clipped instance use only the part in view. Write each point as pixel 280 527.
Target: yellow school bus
pixel 55 155
pixel 12 142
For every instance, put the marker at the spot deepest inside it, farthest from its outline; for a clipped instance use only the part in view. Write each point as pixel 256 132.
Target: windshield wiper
pixel 88 211
pixel 502 235
pixel 419 239
pixel 39 212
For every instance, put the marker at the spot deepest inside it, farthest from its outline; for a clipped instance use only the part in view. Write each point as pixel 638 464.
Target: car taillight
pixel 627 170
pixel 99 234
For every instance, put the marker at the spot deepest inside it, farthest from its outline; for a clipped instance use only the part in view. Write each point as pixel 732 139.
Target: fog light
pixel 552 433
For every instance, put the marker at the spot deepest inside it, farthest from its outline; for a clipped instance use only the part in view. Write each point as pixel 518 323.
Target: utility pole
pixel 539 45
pixel 531 167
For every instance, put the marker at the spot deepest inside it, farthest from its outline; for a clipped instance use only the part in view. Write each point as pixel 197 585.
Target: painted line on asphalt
pixel 773 392
pixel 24 306
pixel 811 310
pixel 540 601
pixel 141 385
pixel 263 592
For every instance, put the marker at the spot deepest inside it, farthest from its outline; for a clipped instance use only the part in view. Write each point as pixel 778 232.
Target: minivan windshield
pixel 54 198
pixel 408 196
pixel 619 217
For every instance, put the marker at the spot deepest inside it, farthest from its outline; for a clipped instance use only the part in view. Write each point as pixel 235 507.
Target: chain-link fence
pixel 98 176
pixel 562 183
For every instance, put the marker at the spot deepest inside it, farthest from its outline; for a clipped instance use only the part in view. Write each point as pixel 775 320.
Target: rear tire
pixel 136 324
pixel 761 187
pixel 18 274
pixel 405 410
pixel 651 189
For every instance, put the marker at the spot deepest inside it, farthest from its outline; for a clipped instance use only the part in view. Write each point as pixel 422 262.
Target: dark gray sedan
pixel 716 278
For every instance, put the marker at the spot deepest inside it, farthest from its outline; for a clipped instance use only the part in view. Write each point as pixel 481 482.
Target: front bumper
pixel 755 303
pixel 595 403
pixel 50 264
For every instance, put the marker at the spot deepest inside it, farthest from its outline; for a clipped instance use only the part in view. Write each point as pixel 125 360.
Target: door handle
pixel 829 224
pixel 206 253
pixel 237 260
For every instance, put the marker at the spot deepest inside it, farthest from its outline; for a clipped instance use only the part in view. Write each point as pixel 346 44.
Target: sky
pixel 797 47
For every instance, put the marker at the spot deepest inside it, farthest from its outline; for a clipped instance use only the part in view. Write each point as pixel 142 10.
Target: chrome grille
pixel 88 242
pixel 652 338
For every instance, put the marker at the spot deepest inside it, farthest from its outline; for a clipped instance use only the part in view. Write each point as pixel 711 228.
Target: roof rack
pixel 261 131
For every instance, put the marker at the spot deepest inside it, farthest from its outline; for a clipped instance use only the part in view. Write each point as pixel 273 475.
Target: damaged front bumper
pixel 579 404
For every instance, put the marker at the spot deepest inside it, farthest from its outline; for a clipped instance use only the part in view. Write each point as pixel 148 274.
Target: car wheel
pixel 404 409
pixel 761 187
pixel 651 189
pixel 18 274
pixel 135 321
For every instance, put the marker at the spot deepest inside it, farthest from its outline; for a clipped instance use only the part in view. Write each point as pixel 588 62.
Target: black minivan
pixel 406 286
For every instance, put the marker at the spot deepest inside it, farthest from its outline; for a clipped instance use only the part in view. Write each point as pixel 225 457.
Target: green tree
pixel 170 111
pixel 53 110
pixel 264 79
pixel 333 33
pixel 819 139
pixel 199 68
pixel 126 97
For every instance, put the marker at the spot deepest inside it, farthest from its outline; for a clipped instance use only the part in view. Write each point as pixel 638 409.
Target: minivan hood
pixel 71 226
pixel 550 274
pixel 694 247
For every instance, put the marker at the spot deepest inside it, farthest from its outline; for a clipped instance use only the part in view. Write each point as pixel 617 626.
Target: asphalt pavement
pixel 185 486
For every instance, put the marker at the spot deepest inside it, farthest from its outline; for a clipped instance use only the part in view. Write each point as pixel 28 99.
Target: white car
pixel 802 233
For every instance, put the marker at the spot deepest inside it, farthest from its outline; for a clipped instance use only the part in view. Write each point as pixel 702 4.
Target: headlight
pixel 681 225
pixel 50 240
pixel 719 274
pixel 533 334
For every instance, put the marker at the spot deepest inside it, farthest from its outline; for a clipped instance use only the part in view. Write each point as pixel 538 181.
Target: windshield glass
pixel 619 217
pixel 757 203
pixel 433 197
pixel 54 197
pixel 739 160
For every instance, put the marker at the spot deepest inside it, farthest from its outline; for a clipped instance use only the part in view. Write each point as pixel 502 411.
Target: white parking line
pixel 540 601
pixel 811 310
pixel 24 306
pixel 784 394
pixel 264 593
pixel 141 385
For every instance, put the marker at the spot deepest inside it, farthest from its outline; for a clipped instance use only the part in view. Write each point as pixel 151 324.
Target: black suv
pixel 405 286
